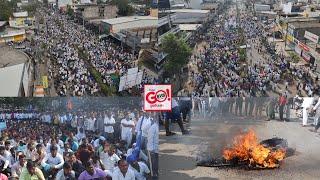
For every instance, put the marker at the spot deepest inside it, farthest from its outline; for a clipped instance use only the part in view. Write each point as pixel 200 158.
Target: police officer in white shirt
pixel 123 172
pixel 127 126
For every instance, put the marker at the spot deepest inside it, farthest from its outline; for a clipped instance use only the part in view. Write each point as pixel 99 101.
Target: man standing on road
pixel 282 103
pixel 153 145
pixel 316 122
pixel 174 115
pixel 307 102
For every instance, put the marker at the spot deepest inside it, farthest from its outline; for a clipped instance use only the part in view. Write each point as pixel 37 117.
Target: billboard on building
pixel 312 37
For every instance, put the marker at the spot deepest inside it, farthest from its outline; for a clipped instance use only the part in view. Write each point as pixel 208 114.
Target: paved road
pixel 178 154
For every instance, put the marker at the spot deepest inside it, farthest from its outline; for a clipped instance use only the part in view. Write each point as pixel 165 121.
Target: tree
pixel 70 11
pixel 177 51
pixel 6 9
pixel 100 1
pixel 31 8
pixel 123 6
pixel 45 2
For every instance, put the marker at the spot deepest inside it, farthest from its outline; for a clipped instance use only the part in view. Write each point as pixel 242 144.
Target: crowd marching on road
pixel 222 68
pixel 115 143
pixel 73 50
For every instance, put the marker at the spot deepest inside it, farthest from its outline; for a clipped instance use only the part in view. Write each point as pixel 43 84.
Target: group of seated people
pixel 38 149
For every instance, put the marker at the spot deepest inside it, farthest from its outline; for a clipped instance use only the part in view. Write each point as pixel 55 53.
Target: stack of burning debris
pixel 246 152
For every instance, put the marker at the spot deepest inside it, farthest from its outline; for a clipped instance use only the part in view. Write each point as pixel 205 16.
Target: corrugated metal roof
pixel 126 19
pixel 189 11
pixel 189 27
pixel 2 23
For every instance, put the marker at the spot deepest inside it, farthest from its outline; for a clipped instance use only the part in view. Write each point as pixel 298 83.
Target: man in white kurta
pixel 307 102
pixel 127 126
pixel 109 122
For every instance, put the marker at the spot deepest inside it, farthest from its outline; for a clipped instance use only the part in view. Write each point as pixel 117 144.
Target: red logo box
pixel 157 97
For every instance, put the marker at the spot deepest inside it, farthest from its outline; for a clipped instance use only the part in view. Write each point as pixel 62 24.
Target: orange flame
pixel 246 148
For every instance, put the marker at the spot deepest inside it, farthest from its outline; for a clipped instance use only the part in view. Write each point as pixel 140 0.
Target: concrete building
pixel 303 38
pixel 151 63
pixel 138 37
pixel 261 7
pixel 96 11
pixel 21 20
pixel 209 5
pixel 62 4
pixel 12 35
pixel 15 73
pixel 115 25
pixel 189 16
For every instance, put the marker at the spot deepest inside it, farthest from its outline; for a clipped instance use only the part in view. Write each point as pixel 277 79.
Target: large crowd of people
pixel 74 50
pixel 307 109
pixel 220 68
pixel 115 143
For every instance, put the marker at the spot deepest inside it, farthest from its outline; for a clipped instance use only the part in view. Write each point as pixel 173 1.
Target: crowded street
pixel 235 59
pixel 73 51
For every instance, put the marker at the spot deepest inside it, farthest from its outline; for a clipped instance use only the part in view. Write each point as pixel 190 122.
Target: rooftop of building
pixel 20 14
pixel 306 24
pixel 189 11
pixel 126 19
pixel 11 57
pixel 2 23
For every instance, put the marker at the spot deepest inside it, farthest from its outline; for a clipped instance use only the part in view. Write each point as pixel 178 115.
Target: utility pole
pixel 285 41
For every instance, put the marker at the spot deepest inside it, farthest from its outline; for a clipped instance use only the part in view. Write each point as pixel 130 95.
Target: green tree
pixel 100 2
pixel 177 51
pixel 7 8
pixel 70 11
pixel 31 8
pixel 45 2
pixel 124 9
